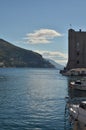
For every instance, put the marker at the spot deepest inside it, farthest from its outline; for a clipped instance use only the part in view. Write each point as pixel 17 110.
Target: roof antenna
pixel 70 25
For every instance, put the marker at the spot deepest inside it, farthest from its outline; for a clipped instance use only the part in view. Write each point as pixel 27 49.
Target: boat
pixel 78 84
pixel 78 111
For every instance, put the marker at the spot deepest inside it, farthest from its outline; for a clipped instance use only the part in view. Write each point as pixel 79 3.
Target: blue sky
pixel 42 25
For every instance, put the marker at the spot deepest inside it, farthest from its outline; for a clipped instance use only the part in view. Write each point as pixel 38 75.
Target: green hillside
pixel 13 56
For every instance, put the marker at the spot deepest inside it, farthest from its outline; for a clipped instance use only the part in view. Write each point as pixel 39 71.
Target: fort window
pixel 77 61
pixel 77 46
pixel 78 53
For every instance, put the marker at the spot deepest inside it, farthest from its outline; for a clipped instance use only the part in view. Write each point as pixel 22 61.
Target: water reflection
pixel 76 93
pixel 32 99
pixel 73 93
pixel 75 96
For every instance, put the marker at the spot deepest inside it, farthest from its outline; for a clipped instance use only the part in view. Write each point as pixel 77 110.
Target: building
pixel 76 53
pixel 76 49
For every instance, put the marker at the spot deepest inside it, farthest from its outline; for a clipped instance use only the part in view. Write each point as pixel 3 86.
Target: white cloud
pixel 41 36
pixel 59 57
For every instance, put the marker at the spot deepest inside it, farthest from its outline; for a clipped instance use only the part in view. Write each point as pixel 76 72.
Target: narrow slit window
pixel 77 61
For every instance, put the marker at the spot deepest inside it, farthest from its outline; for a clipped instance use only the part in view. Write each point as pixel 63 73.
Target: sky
pixel 42 25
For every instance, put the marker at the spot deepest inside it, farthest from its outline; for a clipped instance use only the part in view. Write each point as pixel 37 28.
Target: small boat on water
pixel 78 84
pixel 78 111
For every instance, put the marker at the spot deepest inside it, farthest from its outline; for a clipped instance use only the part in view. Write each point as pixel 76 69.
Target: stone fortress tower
pixel 76 49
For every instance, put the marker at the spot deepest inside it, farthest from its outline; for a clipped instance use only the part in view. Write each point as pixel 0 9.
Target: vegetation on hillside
pixel 13 56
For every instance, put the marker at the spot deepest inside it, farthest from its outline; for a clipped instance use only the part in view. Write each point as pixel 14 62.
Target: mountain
pixel 57 66
pixel 13 56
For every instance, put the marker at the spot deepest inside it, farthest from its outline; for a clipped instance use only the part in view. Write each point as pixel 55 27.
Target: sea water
pixel 32 99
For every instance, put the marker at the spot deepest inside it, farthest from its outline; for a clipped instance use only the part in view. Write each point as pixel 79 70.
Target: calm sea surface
pixel 32 99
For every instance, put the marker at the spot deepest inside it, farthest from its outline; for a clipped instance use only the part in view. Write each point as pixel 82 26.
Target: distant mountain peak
pixel 57 65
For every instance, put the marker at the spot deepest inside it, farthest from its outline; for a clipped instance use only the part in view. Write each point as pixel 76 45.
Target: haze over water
pixel 32 99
